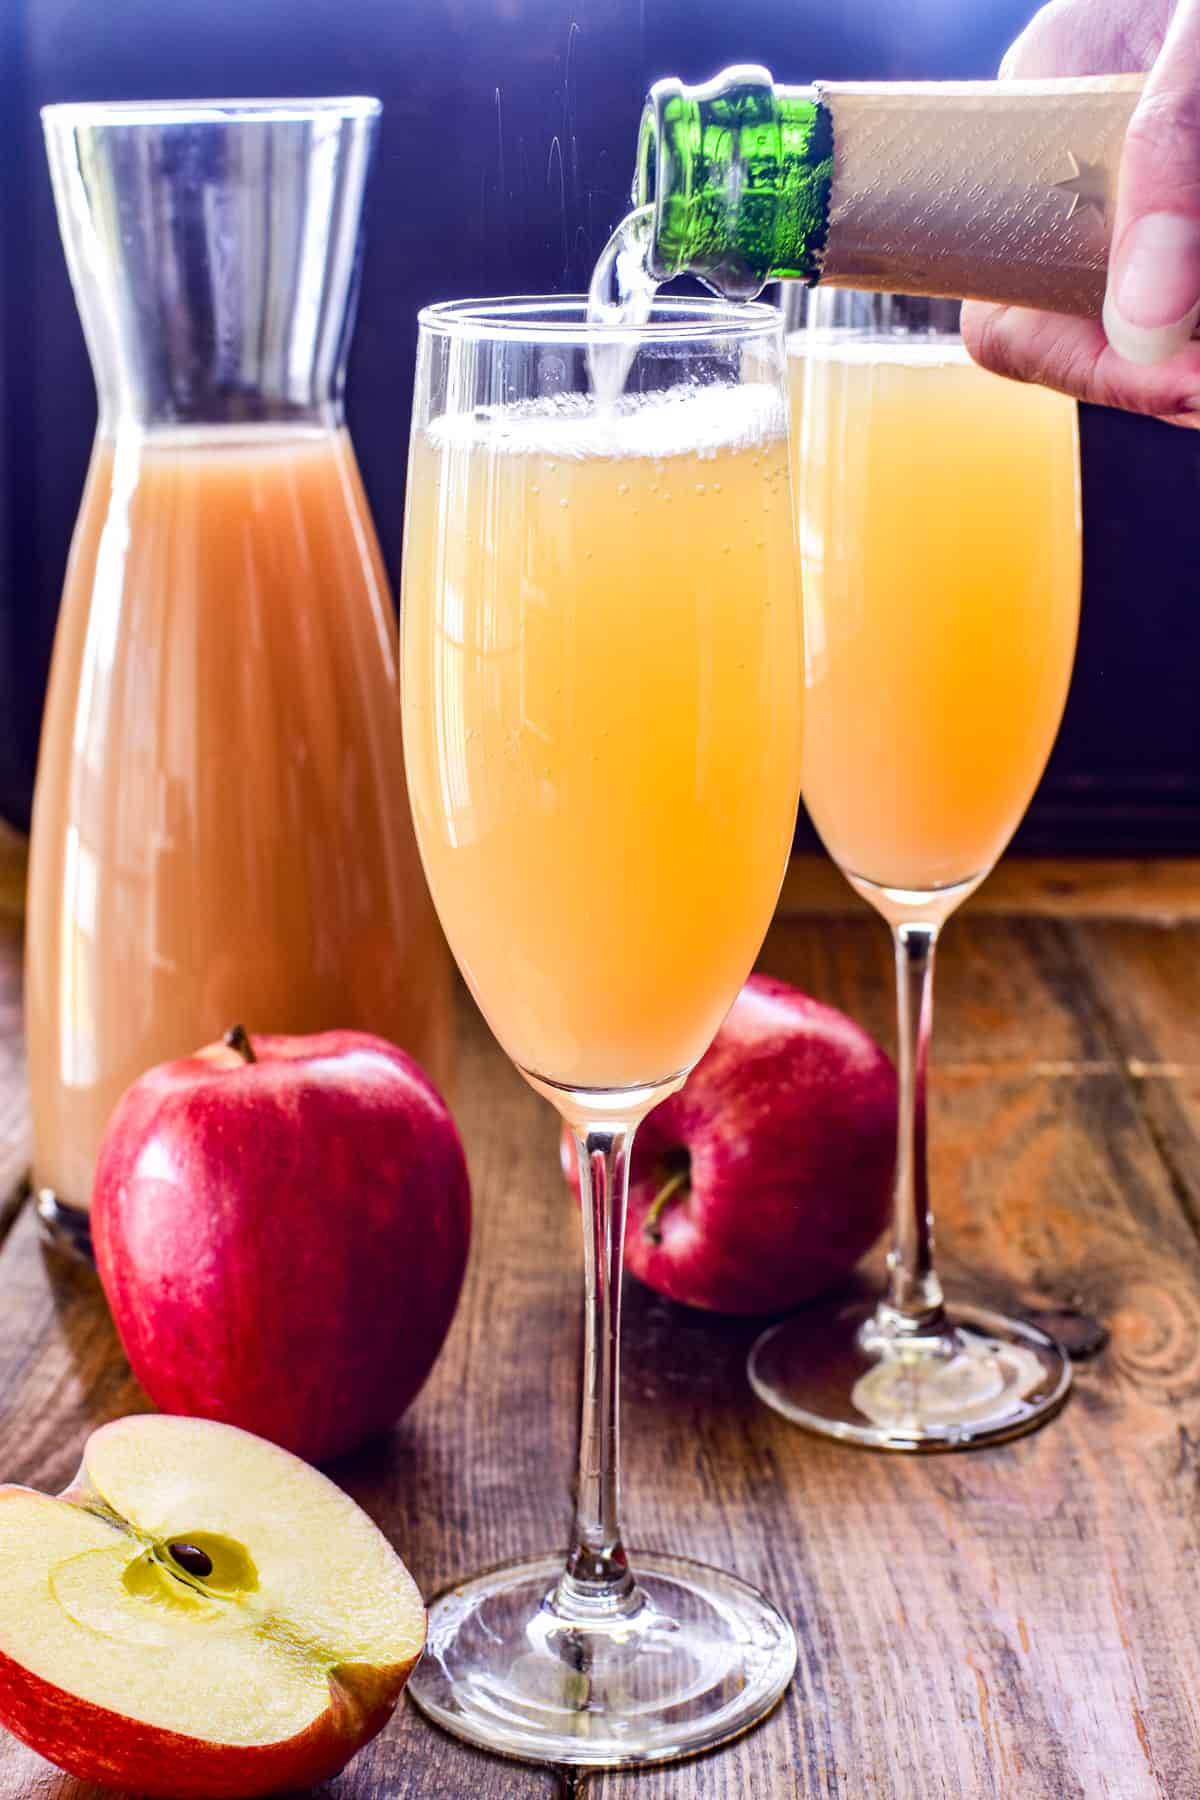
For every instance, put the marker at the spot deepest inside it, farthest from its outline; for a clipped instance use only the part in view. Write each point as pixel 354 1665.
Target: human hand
pixel 1141 357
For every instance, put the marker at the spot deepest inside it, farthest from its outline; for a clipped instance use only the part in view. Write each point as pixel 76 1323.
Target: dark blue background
pixel 505 157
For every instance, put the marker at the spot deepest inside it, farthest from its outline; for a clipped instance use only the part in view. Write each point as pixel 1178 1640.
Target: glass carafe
pixel 221 830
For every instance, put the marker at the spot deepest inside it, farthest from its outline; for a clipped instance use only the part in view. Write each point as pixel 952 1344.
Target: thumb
pixel 1153 299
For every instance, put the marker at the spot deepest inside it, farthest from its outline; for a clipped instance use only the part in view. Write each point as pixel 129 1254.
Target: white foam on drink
pixel 678 421
pixel 880 347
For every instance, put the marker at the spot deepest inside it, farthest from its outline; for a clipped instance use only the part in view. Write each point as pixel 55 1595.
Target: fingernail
pixel 1151 307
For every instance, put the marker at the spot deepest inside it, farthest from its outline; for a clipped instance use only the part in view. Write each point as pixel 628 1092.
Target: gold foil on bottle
pixel 1089 184
pixel 997 190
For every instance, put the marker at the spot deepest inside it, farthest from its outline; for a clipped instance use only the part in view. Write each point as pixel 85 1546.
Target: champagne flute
pixel 939 537
pixel 602 681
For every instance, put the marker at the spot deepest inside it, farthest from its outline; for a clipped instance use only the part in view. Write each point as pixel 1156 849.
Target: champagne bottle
pixel 988 190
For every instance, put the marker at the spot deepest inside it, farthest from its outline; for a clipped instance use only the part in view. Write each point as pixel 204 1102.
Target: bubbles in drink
pixel 667 423
pixel 637 668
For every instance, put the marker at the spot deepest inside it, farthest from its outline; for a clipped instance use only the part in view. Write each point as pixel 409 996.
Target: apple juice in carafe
pixel 221 829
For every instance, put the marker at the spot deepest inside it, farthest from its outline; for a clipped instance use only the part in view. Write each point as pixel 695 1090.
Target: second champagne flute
pixel 939 538
pixel 602 678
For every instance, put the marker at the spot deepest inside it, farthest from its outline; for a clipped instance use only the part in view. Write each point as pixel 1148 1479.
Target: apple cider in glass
pixel 602 674
pixel 219 828
pixel 623 657
pixel 938 512
pixel 939 654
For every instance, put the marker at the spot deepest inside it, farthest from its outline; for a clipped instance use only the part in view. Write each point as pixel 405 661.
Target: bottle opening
pixel 657 175
pixel 645 182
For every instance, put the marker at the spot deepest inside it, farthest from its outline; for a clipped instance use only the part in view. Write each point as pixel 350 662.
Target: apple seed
pixel 190 1557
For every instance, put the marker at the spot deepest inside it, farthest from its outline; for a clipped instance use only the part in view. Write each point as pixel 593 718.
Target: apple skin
pixel 98 1745
pixel 283 1242
pixel 790 1122
pixel 91 1740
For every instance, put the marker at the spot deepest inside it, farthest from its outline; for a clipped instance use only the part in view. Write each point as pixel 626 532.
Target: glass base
pixel 979 1379
pixel 64 1226
pixel 699 1658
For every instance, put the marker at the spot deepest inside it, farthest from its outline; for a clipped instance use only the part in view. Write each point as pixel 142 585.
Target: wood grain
pixel 14 861
pixel 1161 889
pixel 15 1134
pixel 1016 1624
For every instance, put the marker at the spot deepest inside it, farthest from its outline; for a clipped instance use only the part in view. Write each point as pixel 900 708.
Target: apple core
pixel 143 1651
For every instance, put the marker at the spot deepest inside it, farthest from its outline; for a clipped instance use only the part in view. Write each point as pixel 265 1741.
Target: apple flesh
pixel 282 1240
pixel 769 1174
pixel 199 1614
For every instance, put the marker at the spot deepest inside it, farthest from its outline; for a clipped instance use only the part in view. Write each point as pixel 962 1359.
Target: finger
pixel 1152 302
pixel 1074 356
pixel 1073 37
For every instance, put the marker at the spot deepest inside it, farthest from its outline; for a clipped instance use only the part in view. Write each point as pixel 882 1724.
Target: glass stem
pixel 914 1301
pixel 597 1581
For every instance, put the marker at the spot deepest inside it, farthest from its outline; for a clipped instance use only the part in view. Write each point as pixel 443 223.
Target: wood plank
pixel 1018 1621
pixel 1007 989
pixel 14 860
pixel 1021 1621
pixel 1162 889
pixel 15 1136
pixel 1148 983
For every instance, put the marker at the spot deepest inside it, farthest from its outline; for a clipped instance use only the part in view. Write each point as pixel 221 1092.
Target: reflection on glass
pixel 602 684
pixel 216 836
pixel 939 532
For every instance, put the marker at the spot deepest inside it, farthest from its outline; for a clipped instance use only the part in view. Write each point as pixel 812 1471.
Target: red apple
pixel 282 1240
pixel 765 1178
pixel 200 1614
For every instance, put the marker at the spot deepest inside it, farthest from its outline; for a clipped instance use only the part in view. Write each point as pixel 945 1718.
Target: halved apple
pixel 199 1614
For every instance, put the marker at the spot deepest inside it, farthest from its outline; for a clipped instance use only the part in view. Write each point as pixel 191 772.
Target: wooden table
pixel 1019 1622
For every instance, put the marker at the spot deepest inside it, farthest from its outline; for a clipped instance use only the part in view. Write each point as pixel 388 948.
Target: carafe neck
pixel 213 251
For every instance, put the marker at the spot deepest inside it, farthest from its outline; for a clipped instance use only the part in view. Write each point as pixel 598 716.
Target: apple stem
pixel 238 1039
pixel 650 1224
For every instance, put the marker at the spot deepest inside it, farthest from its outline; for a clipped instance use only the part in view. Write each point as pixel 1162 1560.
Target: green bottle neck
pixel 739 173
